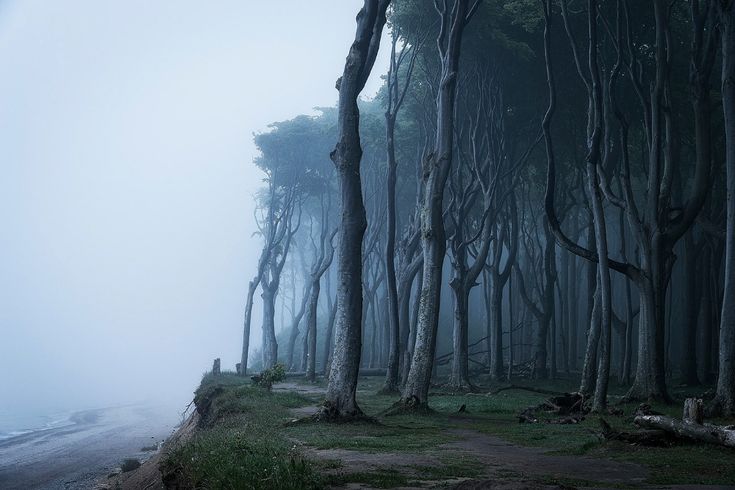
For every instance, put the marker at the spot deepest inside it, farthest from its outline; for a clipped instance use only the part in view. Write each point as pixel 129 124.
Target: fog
pixel 127 183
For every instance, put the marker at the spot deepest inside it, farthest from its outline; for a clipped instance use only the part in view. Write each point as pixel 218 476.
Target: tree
pixel 396 95
pixel 724 402
pixel 340 399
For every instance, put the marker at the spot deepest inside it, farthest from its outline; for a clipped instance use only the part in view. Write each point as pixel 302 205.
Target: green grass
pixel 239 446
pixel 246 441
pixel 375 479
pixel 387 436
pixel 452 467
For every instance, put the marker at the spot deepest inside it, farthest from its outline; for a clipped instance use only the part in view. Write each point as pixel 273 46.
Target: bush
pixel 273 375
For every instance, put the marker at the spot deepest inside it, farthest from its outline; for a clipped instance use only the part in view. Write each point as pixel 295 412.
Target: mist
pixel 379 243
pixel 126 197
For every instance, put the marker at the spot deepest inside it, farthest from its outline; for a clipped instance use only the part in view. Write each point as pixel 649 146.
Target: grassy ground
pixel 248 442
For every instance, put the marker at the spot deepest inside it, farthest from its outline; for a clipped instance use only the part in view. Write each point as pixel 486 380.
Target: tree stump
pixel 216 368
pixel 238 368
pixel 693 411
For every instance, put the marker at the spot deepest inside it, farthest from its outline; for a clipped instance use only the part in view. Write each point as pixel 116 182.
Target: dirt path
pixel 503 458
pixel 503 465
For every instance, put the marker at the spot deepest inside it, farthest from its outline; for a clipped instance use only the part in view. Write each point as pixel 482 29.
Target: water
pixel 70 450
pixel 18 424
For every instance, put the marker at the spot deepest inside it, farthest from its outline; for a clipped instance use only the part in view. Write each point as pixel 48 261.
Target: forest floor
pixel 250 438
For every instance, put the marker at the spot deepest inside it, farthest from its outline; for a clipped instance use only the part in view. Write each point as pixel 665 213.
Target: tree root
pixel 329 413
pixel 569 408
pixel 540 391
pixel 408 406
pixel 388 390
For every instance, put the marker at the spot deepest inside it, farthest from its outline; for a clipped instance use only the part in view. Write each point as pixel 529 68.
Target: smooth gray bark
pixel 347 155
pixel 435 171
pixel 725 396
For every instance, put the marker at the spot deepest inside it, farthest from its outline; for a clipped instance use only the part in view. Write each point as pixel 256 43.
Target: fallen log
pixel 687 429
pixel 651 437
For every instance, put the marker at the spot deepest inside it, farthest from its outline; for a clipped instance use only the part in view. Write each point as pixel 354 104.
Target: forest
pixel 540 189
pixel 538 200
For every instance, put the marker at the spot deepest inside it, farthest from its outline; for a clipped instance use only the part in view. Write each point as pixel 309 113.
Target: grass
pixel 375 479
pixel 246 442
pixel 239 446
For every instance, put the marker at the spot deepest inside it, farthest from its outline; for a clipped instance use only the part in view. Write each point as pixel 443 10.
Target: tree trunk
pixel 311 329
pixel 329 340
pixel 691 312
pixel 496 327
pixel 589 367
pixel 433 240
pixel 340 397
pixel 270 345
pixel 460 377
pixel 650 377
pixel 298 316
pixel 391 380
pixel 725 396
pixel 246 325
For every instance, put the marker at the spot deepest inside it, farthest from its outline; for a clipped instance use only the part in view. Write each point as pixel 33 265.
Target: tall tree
pixel 453 20
pixel 725 396
pixel 397 90
pixel 340 399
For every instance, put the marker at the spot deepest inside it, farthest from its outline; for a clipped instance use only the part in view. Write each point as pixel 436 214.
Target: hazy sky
pixel 126 183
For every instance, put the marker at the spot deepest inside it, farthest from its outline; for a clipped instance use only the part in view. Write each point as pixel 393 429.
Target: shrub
pixel 269 376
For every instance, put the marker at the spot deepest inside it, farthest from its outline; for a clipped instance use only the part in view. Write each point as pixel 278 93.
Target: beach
pixel 85 448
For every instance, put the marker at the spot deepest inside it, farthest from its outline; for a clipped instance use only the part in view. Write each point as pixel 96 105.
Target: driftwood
pixel 711 434
pixel 691 426
pixel 642 437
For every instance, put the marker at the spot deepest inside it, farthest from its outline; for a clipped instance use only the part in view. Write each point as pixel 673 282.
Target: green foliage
pixel 269 376
pixel 374 479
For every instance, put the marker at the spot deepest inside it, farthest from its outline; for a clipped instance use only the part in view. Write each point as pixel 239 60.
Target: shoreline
pixel 90 447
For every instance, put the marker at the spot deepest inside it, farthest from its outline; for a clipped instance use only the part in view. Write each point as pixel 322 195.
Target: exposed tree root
pixel 568 407
pixel 540 391
pixel 408 406
pixel 637 395
pixel 389 390
pixel 329 413
pixel 460 387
